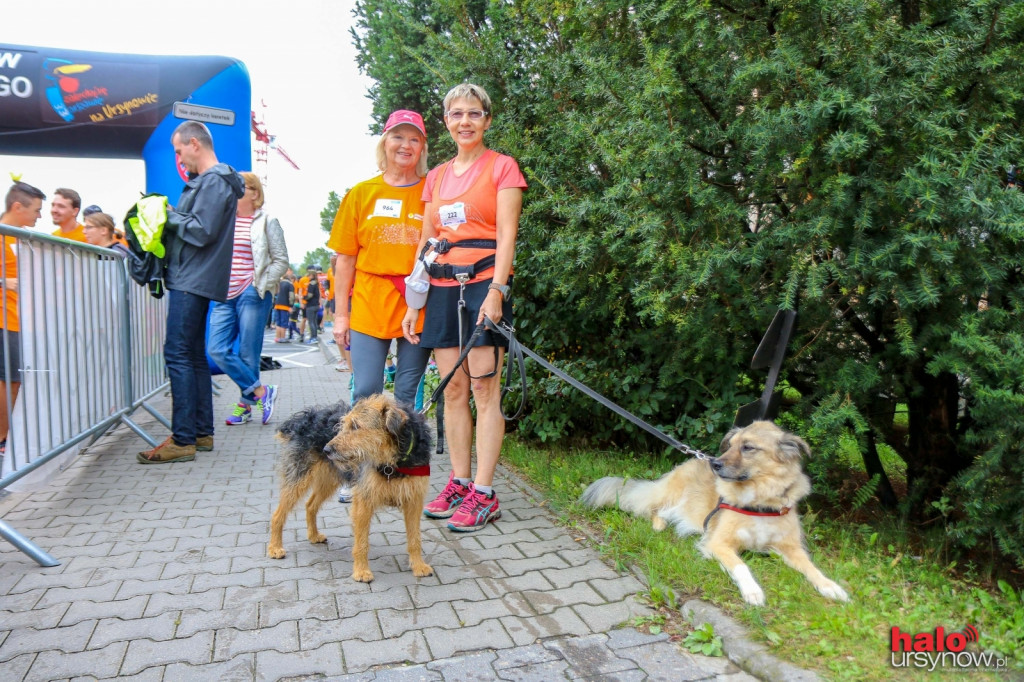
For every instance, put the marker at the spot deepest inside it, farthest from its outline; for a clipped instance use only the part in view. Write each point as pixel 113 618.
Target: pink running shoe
pixel 475 511
pixel 445 504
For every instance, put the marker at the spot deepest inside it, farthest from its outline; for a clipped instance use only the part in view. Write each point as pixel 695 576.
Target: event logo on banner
pixel 96 92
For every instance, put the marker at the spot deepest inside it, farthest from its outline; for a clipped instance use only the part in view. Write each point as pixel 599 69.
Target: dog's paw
pixel 317 538
pixel 276 552
pixel 363 575
pixel 422 570
pixel 754 597
pixel 833 591
pixel 658 523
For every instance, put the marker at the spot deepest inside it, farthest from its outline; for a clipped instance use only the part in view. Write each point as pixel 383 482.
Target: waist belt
pixel 449 271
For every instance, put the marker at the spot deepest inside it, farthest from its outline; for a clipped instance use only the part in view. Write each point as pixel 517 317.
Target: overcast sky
pixel 302 65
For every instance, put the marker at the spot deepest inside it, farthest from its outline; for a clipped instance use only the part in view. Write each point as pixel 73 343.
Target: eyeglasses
pixel 458 115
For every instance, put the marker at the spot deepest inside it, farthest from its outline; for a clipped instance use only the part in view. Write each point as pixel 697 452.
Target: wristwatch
pixel 504 289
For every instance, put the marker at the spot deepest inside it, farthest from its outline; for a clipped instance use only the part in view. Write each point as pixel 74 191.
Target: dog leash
pixel 517 350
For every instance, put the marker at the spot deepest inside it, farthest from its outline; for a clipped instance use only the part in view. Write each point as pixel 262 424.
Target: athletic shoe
pixel 445 504
pixel 265 405
pixel 345 494
pixel 241 414
pixel 312 342
pixel 475 511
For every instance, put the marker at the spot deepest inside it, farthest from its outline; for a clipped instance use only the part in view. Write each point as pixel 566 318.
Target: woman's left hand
pixel 491 307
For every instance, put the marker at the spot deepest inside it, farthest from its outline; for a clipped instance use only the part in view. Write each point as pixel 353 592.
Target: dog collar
pixel 389 472
pixel 749 511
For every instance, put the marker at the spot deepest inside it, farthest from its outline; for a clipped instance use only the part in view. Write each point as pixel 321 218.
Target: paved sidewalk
pixel 164 576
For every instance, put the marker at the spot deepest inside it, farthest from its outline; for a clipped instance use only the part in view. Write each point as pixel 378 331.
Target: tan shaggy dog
pixel 745 499
pixel 382 447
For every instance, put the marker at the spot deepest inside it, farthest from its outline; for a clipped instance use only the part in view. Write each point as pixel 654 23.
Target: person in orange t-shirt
pixel 23 206
pixel 64 211
pixel 375 233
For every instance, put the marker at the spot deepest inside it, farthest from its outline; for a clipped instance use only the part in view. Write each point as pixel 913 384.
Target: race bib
pixel 388 208
pixel 453 215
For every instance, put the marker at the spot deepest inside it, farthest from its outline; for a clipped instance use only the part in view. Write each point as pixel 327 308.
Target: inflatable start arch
pixel 56 102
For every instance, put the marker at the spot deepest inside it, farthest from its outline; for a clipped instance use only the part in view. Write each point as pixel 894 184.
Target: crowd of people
pixel 227 275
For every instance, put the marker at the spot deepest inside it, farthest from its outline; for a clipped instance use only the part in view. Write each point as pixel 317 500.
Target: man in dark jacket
pixel 199 235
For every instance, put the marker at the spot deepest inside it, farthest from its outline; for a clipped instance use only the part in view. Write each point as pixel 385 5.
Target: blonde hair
pixel 252 180
pixel 382 158
pixel 465 91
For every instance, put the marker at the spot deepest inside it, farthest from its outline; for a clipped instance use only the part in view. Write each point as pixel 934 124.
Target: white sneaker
pixel 345 494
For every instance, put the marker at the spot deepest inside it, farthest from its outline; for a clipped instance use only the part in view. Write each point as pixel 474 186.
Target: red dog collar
pixel 389 472
pixel 749 511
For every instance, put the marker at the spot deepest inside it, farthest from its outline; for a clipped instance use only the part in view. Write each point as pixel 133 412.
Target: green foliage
pixel 694 166
pixel 329 211
pixel 319 256
pixel 703 640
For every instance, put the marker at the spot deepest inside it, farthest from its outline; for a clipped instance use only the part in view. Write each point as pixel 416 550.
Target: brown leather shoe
pixel 167 452
pixel 204 443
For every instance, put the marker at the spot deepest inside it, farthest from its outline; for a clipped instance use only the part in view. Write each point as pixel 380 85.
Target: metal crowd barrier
pixel 91 344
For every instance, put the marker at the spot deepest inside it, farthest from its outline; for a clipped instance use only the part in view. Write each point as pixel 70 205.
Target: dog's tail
pixel 634 496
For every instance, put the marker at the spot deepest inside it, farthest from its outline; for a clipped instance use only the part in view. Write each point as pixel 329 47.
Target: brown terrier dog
pixel 381 447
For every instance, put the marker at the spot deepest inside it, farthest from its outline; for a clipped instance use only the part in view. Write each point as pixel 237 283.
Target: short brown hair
pixel 71 195
pixel 22 193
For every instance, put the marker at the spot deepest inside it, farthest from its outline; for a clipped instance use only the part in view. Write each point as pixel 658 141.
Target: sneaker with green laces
pixel 241 414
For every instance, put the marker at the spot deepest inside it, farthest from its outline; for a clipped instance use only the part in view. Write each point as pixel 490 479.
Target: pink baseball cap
pixel 406 117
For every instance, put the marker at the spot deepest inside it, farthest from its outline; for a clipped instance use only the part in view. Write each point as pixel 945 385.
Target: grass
pixel 891 581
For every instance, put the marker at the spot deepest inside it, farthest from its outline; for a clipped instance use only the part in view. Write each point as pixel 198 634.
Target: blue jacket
pixel 200 233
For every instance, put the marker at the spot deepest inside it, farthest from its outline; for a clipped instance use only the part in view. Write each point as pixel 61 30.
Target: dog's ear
pixel 793 447
pixel 724 445
pixel 394 421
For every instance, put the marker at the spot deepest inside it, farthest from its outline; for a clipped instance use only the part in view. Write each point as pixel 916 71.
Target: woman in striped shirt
pixel 235 336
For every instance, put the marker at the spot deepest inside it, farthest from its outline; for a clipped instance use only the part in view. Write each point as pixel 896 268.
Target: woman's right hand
pixel 341 331
pixel 412 316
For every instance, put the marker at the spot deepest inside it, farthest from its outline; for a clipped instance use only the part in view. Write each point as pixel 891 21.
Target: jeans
pixel 187 368
pixel 368 356
pixel 240 319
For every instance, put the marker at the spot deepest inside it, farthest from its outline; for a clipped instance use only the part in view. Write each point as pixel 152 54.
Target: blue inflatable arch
pixel 56 102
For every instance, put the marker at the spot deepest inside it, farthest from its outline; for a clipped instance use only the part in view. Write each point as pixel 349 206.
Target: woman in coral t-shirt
pixel 476 199
pixel 375 234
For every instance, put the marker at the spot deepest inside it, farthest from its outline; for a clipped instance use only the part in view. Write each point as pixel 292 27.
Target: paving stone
pixel 192 563
pixel 143 653
pixel 94 559
pixel 616 588
pixel 545 602
pixel 46 578
pixel 538 546
pixel 284 592
pixel 589 656
pixel 490 634
pixel 514 567
pixel 425 595
pixel 154 674
pixel 314 664
pixel 519 536
pixel 157 628
pixel 564 577
pixel 69 639
pixel 447 574
pixel 49 617
pixel 604 617
pixel 536 672
pixel 412 646
pixel 362 626
pixel 475 612
pixel 468 668
pixel 666 661
pixel 229 642
pixel 563 621
pixel 206 581
pixel 394 622
pixel 273 612
pixel 395 598
pixel 57 665
pixel 406 673
pixel 621 638
pixel 496 587
pixel 239 669
pixel 160 603
pixel 61 595
pixel 176 586
pixel 191 621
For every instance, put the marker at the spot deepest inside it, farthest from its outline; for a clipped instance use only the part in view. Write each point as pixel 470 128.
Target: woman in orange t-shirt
pixel 375 234
pixel 473 202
